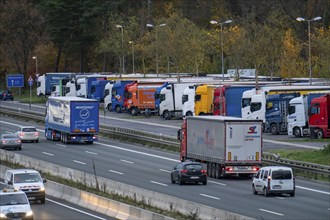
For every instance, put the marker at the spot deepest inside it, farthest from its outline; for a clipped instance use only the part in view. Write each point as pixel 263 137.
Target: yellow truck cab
pixel 204 99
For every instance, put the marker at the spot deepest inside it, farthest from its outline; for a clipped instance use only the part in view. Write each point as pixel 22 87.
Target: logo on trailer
pixel 84 114
pixel 252 130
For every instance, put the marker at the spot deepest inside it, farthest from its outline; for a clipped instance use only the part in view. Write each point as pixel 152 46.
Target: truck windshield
pixel 246 102
pixel 184 98
pixel 128 95
pixel 255 106
pixel 291 109
pixel 197 97
pixel 161 97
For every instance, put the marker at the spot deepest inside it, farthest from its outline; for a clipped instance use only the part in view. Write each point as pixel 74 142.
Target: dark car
pixel 6 95
pixel 189 171
pixel 10 141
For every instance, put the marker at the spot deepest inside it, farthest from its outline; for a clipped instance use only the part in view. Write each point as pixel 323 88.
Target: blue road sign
pixel 15 80
pixel 30 81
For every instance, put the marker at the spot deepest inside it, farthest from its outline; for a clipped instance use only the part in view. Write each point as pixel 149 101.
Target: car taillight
pixel 184 171
pixel 204 172
pixel 21 134
pixel 4 141
pixel 256 168
pixel 36 134
pixel 268 182
pixel 229 169
pixel 18 141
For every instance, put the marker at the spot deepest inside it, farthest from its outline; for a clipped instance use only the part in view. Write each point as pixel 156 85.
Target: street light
pixel 122 47
pixel 132 43
pixel 157 61
pixel 221 38
pixel 309 44
pixel 36 58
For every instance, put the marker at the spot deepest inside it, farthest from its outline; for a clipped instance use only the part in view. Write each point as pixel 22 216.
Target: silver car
pixel 11 141
pixel 28 133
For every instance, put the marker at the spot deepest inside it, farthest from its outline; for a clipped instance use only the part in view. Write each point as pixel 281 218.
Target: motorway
pixel 149 169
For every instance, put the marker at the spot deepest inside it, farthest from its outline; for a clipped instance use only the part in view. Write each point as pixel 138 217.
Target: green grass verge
pixel 312 156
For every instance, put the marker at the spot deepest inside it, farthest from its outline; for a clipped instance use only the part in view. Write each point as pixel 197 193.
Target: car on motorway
pixel 28 133
pixel 6 95
pixel 274 180
pixel 14 205
pixel 10 141
pixel 189 171
pixel 29 181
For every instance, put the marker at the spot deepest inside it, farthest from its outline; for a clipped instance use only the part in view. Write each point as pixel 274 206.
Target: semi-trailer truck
pixel 72 119
pixel 228 145
pixel 46 82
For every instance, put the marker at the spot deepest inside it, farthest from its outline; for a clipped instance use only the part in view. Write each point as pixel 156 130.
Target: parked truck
pixel 204 99
pixel 319 119
pixel 298 114
pixel 228 145
pixel 47 82
pixel 118 95
pixel 72 119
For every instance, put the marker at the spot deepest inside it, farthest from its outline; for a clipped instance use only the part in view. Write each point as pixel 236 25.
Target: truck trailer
pixel 72 119
pixel 228 145
pixel 48 81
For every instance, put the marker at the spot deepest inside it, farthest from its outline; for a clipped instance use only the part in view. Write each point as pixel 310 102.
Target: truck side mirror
pixel 179 135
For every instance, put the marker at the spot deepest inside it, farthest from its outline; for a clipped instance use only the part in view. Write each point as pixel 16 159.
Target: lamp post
pixel 132 43
pixel 309 44
pixel 36 58
pixel 157 61
pixel 122 48
pixel 221 39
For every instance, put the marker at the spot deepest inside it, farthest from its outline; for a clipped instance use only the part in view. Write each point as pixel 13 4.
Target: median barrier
pixel 116 209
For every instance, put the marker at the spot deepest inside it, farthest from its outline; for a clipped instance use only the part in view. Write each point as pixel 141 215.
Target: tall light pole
pixel 157 60
pixel 221 39
pixel 132 43
pixel 122 47
pixel 36 58
pixel 309 44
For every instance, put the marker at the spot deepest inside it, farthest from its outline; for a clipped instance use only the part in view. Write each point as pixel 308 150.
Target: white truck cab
pixel 29 181
pixel 274 180
pixel 14 204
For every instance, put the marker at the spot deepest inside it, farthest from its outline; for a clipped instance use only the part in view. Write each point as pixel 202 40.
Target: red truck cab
pixel 319 117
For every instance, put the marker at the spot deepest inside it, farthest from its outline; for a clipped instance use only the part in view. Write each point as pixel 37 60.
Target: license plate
pixel 16 219
pixel 32 198
pixel 277 187
pixel 194 177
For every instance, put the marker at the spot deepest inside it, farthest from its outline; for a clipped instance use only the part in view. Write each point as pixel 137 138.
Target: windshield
pixel 161 97
pixel 246 102
pixel 27 178
pixel 13 199
pixel 127 95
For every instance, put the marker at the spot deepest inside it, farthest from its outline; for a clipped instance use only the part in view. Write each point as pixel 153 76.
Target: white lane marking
pixel 166 171
pixel 113 171
pixel 313 190
pixel 208 196
pixel 275 213
pixel 75 209
pixel 222 184
pixel 89 152
pixel 279 197
pixel 77 161
pixel 137 152
pixel 61 145
pixel 49 154
pixel 162 184
pixel 126 161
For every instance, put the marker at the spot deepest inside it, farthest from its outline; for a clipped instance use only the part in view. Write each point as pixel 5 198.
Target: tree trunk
pixel 58 58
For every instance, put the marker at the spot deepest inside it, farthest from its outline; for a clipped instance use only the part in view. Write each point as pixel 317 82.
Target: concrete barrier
pixel 113 208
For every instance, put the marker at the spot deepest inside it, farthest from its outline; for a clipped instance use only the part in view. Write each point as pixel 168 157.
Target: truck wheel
pixel 292 194
pixel 189 114
pixel 118 109
pixel 109 107
pixel 166 115
pixel 297 132
pixel 274 129
pixel 319 134
pixel 213 170
pixel 133 111
pixel 208 169
pixel 217 171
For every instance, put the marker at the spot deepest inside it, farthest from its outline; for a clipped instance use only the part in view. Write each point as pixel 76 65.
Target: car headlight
pixel 2 215
pixel 42 189
pixel 29 213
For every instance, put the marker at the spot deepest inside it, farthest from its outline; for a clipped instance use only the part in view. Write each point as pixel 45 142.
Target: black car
pixel 189 171
pixel 6 95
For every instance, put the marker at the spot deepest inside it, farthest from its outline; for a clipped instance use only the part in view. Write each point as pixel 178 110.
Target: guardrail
pixel 154 138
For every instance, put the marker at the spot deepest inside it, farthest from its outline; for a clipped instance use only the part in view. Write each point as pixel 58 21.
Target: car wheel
pixel 292 194
pixel 180 181
pixel 42 201
pixel 172 180
pixel 266 193
pixel 297 132
pixel 254 190
pixel 37 141
pixel 274 129
pixel 205 182
pixel 20 148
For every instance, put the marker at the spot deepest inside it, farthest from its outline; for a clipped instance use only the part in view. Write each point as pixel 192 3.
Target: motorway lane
pixel 148 168
pixel 56 209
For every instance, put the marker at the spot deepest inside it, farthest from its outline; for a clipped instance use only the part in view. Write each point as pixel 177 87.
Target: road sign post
pixel 30 82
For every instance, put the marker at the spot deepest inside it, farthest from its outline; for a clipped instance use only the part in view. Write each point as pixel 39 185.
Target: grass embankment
pixel 306 155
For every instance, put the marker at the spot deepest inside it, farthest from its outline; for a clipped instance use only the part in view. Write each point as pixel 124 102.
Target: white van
pixel 14 205
pixel 29 181
pixel 274 180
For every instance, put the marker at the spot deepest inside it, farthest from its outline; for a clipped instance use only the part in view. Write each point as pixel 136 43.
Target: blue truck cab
pixel 159 97
pixel 118 95
pixel 72 119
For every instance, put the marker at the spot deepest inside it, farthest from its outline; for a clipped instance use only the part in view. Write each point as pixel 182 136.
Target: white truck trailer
pixel 228 145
